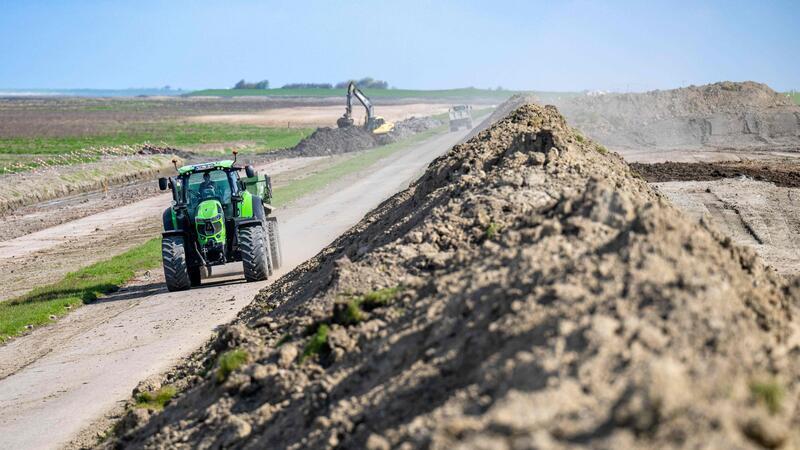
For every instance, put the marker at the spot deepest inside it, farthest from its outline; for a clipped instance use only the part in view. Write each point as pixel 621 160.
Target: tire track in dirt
pixel 754 213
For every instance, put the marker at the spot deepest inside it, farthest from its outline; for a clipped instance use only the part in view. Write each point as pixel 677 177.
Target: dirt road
pixel 59 379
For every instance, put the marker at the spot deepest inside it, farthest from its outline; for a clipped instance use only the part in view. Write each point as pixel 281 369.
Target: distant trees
pixel 307 86
pixel 263 84
pixel 365 83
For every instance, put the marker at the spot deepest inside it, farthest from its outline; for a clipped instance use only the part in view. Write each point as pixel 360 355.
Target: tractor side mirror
pixel 250 171
pixel 162 183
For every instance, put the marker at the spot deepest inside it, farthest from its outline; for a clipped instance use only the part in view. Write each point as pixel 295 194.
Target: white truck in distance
pixel 460 116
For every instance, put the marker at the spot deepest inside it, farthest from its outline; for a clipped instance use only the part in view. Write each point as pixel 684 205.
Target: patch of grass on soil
pixel 795 96
pixel 156 400
pixel 352 312
pixel 43 304
pixel 769 392
pixel 318 344
pixel 230 361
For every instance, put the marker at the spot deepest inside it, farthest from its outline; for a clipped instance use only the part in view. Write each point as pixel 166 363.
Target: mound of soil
pixel 527 292
pixel 784 173
pixel 334 141
pixel 725 114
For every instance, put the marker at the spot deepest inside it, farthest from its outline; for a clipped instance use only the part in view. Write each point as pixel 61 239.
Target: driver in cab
pixel 207 188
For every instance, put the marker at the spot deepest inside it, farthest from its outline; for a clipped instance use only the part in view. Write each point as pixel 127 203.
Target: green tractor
pixel 216 218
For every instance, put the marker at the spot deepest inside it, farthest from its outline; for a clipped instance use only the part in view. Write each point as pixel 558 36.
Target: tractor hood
pixel 210 224
pixel 209 210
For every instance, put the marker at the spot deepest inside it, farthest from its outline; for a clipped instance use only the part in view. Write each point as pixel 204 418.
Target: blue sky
pixel 542 45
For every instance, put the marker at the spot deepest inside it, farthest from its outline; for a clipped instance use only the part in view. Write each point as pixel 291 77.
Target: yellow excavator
pixel 372 123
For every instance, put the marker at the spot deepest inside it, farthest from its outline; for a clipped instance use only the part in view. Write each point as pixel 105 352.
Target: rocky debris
pixel 150 149
pixel 527 292
pixel 409 127
pixel 721 115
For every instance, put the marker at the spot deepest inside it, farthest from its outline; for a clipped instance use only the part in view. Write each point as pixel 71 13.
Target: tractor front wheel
pixel 255 253
pixel 173 256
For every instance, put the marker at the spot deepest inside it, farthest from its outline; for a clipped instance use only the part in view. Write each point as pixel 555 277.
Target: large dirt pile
pixel 724 115
pixel 527 292
pixel 333 141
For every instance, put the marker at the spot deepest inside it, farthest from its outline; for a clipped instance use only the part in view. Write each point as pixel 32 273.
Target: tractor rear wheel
pixel 274 243
pixel 255 253
pixel 173 256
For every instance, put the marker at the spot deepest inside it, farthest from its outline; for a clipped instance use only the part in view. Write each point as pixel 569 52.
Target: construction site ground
pixel 103 349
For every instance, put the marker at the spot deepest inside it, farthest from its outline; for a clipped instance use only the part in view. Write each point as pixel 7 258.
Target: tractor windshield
pixel 208 185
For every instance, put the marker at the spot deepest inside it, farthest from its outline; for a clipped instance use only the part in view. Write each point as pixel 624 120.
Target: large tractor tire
pixel 274 243
pixel 173 256
pixel 255 253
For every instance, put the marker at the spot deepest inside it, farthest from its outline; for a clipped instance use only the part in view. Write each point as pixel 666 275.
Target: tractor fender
pixel 248 222
pixel 168 219
pixel 170 233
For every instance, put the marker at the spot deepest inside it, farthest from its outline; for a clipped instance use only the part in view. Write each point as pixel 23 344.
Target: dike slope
pixel 720 115
pixel 527 292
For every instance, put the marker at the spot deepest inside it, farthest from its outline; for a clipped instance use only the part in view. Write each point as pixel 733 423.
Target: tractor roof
pixel 205 167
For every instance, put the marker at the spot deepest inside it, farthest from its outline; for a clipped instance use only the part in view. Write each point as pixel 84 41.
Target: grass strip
pixel 43 304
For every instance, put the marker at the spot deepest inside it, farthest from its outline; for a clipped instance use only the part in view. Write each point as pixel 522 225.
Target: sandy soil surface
pixel 103 350
pixel 528 291
pixel 320 116
pixel 753 213
pixel 38 258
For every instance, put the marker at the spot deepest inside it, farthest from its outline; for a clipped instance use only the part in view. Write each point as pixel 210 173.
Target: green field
pixel 172 134
pixel 464 93
pixel 794 96
pixel 26 153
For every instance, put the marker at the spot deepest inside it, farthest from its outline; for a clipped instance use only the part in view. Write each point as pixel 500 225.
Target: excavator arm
pixel 372 123
pixel 347 119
